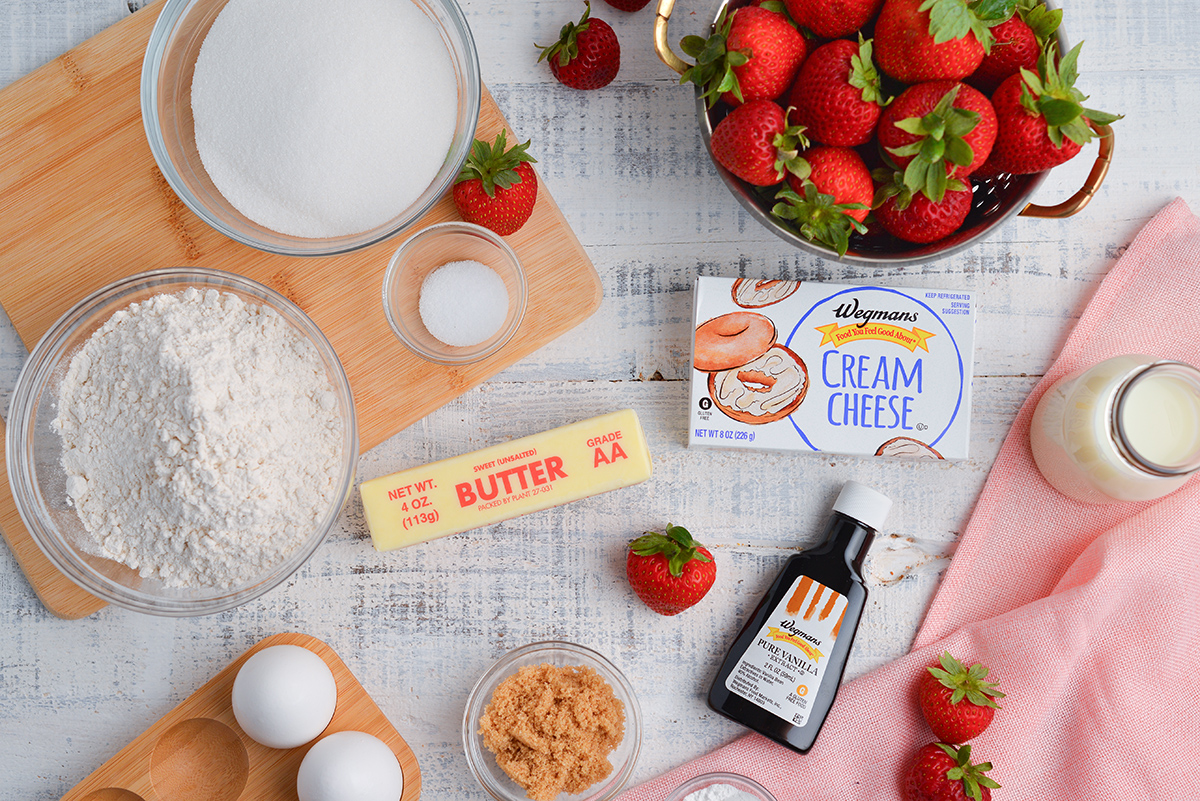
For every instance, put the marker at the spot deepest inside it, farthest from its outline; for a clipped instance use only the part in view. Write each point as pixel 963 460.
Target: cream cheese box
pixel 814 367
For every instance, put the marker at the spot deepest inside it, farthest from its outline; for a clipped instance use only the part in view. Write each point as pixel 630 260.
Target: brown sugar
pixel 552 728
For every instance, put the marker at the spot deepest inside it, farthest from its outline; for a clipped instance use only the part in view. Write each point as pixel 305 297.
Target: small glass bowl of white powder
pixel 720 787
pixel 181 441
pixel 454 293
pixel 309 127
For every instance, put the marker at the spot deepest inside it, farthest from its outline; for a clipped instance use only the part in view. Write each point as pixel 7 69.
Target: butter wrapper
pixel 815 367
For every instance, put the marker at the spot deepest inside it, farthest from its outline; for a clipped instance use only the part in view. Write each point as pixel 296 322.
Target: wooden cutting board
pixel 197 750
pixel 82 204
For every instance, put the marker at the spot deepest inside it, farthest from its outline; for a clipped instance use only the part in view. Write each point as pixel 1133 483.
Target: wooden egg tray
pixel 198 751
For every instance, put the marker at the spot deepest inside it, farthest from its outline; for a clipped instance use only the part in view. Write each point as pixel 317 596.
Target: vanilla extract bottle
pixel 782 673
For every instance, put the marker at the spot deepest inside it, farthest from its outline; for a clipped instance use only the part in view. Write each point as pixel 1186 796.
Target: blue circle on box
pixel 957 353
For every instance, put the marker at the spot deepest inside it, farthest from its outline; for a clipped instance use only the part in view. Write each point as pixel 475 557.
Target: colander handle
pixel 1075 203
pixel 660 38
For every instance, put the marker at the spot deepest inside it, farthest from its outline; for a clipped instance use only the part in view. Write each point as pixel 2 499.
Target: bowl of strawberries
pixel 888 132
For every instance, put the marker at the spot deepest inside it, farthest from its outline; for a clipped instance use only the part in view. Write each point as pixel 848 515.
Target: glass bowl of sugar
pixel 720 787
pixel 306 128
pixel 181 441
pixel 454 293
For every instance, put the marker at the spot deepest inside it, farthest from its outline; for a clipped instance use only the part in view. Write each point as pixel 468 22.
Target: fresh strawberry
pixel 942 773
pixel 937 130
pixel 1019 42
pixel 755 143
pixel 832 200
pixel 837 97
pixel 628 5
pixel 1042 119
pixel 840 172
pixel 497 188
pixel 587 54
pixel 753 54
pixel 669 572
pixel 930 40
pixel 913 216
pixel 831 19
pixel 957 701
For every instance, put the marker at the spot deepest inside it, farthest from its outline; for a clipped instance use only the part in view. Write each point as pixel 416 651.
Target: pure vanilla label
pixel 782 669
pixel 805 366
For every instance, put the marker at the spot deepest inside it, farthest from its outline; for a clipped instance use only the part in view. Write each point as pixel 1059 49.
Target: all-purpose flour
pixel 201 438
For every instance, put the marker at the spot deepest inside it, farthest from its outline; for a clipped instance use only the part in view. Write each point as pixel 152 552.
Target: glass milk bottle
pixel 1126 429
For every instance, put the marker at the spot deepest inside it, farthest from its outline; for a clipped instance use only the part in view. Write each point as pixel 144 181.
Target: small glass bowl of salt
pixel 720 787
pixel 454 293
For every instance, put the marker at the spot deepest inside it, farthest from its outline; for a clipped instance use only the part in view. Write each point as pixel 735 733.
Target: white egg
pixel 350 766
pixel 284 696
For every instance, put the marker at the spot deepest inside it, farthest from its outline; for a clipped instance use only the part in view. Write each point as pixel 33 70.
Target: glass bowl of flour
pixel 181 441
pixel 310 128
pixel 720 787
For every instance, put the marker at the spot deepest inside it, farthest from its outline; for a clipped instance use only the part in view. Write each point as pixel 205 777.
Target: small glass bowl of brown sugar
pixel 587 687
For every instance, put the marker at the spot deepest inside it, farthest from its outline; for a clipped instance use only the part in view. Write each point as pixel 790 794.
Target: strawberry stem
pixel 966 682
pixel 495 165
pixel 676 544
pixel 971 775
pixel 566 49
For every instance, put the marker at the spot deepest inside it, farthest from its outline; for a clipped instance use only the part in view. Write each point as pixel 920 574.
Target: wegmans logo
pixel 807 648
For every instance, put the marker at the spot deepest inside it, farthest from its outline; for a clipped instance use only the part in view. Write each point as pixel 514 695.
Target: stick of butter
pixel 503 481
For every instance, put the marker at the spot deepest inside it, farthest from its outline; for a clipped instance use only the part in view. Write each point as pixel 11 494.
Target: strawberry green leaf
pixel 956 19
pixel 959 152
pixel 567 46
pixel 935 184
pixel 971 775
pixel 676 544
pixel 915 174
pixel 713 70
pixel 864 75
pixel 911 149
pixel 495 165
pixel 941 131
pixel 912 125
pixel 999 10
pixel 1068 67
pixel 695 46
pixel 934 124
pixel 966 682
pixel 960 122
pixel 1042 21
pixel 818 217
pixel 1052 94
pixel 1101 117
pixel 932 150
pixel 948 19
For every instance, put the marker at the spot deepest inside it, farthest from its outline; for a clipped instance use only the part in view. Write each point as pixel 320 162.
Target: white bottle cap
pixel 864 504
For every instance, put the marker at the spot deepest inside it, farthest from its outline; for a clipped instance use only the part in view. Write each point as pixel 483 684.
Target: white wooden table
pixel 626 165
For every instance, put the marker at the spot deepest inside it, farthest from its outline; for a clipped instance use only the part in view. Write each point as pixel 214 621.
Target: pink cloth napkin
pixel 1087 615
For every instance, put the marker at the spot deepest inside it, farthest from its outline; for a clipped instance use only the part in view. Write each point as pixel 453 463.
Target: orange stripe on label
pixel 837 626
pixel 812 607
pixel 797 599
pixel 828 608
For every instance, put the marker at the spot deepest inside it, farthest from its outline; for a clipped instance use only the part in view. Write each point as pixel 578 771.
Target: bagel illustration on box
pixel 907 448
pixel 751 378
pixel 753 293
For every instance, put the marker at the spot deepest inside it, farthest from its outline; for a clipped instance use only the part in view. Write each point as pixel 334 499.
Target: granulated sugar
pixel 201 438
pixel 720 792
pixel 463 303
pixel 321 118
